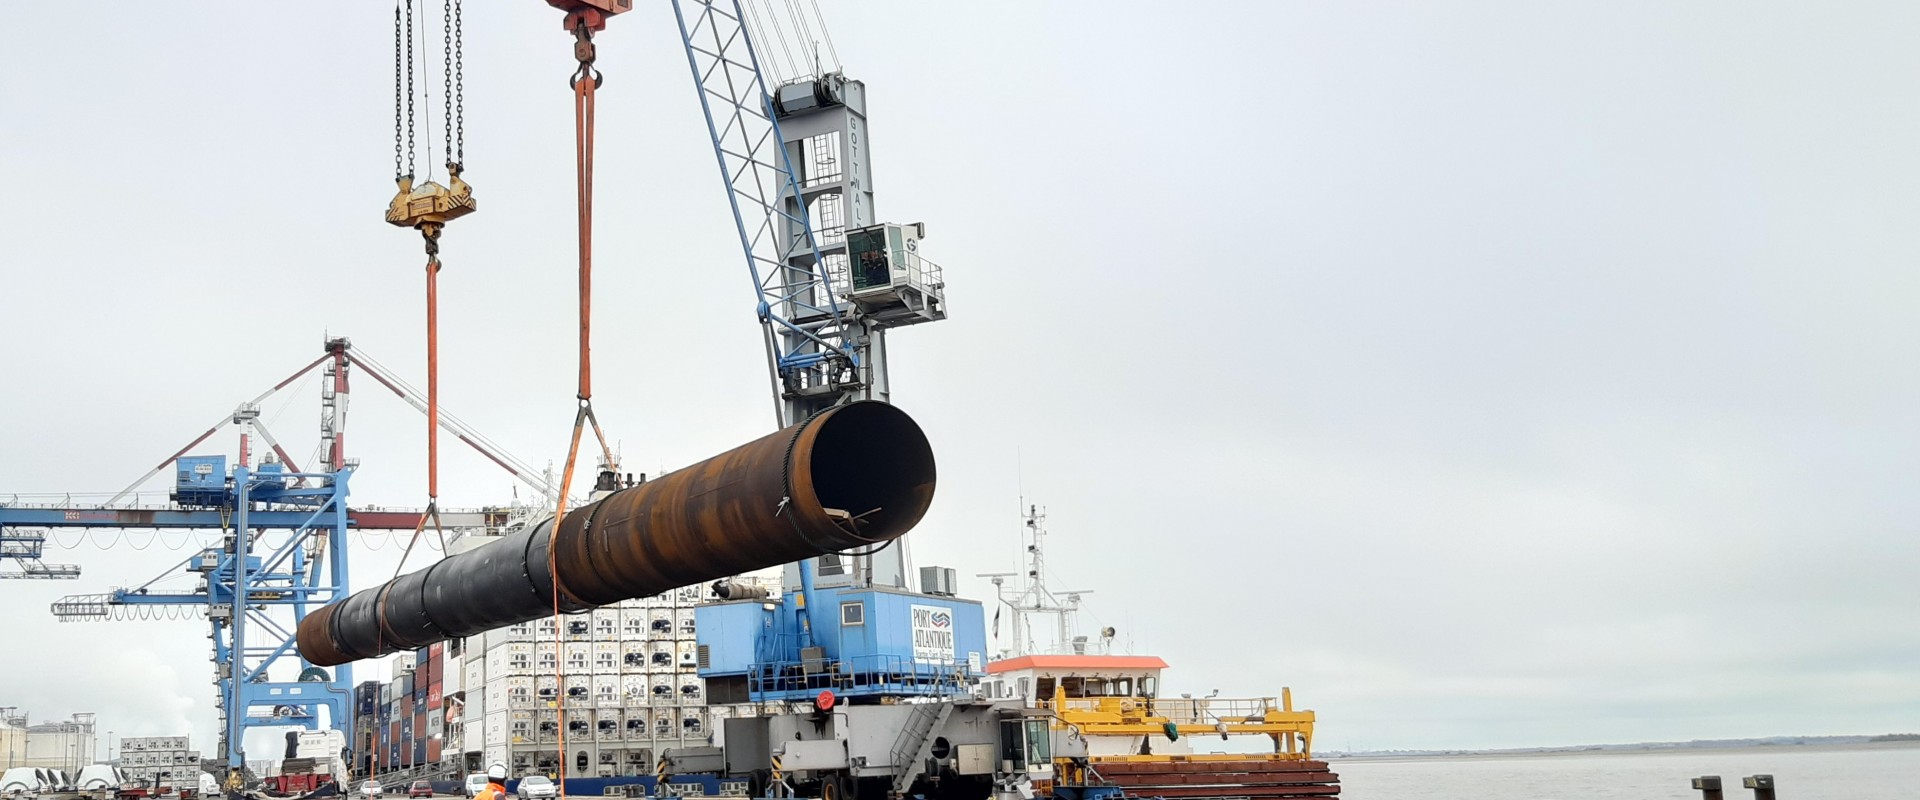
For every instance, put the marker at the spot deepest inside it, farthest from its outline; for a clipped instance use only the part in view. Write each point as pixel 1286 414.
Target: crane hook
pixel 584 52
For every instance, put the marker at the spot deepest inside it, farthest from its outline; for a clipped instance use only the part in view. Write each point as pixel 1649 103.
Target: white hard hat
pixel 496 771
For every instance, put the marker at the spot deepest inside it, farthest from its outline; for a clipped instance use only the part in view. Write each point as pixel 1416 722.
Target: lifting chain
pixel 459 86
pixel 452 82
pixel 410 92
pixel 399 168
pixel 429 206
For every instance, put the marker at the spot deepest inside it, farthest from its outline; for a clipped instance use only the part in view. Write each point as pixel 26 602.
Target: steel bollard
pixel 1762 786
pixel 1709 786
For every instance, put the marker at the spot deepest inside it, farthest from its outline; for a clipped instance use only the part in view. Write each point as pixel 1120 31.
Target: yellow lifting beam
pixel 430 206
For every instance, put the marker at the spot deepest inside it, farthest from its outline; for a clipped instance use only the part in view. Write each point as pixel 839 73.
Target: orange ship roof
pixel 1076 662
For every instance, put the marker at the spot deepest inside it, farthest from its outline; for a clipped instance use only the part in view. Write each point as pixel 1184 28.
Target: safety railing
pixel 1178 710
pixel 868 674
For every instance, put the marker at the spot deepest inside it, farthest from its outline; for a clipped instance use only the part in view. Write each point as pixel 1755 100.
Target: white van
pixel 476 783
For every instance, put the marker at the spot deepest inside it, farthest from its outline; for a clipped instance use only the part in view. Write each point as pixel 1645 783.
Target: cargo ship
pixel 1141 741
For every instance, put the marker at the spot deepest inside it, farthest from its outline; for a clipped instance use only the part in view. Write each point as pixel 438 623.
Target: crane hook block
pixel 431 204
pixel 592 14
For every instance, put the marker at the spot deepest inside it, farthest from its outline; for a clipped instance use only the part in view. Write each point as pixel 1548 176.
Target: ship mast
pixel 1033 596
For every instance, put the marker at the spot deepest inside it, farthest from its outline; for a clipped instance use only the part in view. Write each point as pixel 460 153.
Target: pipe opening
pixel 871 461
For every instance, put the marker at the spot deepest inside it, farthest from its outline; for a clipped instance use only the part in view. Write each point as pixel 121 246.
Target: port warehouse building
pixel 68 745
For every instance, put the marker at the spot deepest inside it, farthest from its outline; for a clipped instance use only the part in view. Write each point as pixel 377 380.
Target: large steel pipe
pixel 856 475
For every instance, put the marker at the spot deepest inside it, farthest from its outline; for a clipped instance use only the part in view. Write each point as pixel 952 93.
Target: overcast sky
pixel 1491 373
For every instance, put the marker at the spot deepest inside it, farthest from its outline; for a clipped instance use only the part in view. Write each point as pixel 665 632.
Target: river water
pixel 1861 772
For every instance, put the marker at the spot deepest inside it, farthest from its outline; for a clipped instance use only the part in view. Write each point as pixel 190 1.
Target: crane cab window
pixel 869 251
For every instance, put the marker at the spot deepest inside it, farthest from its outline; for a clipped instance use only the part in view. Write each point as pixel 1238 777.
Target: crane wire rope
pixel 805 34
pixel 826 35
pixel 756 32
pixel 780 31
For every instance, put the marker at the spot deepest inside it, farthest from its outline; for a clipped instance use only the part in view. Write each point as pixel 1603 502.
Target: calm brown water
pixel 1863 772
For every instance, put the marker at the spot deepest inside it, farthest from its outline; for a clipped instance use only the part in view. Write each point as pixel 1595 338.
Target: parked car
pixel 370 789
pixel 535 787
pixel 476 783
pixel 420 789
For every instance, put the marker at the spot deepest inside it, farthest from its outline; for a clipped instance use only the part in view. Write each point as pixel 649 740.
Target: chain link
pixel 410 160
pixel 459 86
pixel 446 75
pixel 397 170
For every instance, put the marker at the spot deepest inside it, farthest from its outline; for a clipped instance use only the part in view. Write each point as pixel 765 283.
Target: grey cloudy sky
pixel 1491 373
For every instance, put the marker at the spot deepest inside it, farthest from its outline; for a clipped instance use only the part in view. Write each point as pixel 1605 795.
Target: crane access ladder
pixel 914 745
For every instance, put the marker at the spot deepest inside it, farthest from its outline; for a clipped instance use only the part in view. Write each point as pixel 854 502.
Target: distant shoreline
pixel 1806 744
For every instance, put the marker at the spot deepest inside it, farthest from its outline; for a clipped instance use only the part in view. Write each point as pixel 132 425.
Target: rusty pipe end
pixel 315 638
pixel 866 469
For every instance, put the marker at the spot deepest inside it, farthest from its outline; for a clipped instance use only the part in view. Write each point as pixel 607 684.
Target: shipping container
pixel 633 623
pixel 453 679
pixel 579 690
pixel 606 691
pixel 606 624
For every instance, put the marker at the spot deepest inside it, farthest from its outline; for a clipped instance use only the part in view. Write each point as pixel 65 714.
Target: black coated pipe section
pixel 855 475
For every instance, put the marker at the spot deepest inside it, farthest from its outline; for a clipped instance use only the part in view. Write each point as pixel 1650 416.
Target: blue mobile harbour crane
pixel 875 687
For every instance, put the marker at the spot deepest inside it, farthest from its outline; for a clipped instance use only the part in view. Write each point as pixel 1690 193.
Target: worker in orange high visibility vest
pixel 496 783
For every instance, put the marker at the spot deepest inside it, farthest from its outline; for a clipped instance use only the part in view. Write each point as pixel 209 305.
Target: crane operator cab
pixel 889 280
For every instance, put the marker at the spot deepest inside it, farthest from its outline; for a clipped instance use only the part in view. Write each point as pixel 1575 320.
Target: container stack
pixel 624 675
pixel 365 741
pixel 160 761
